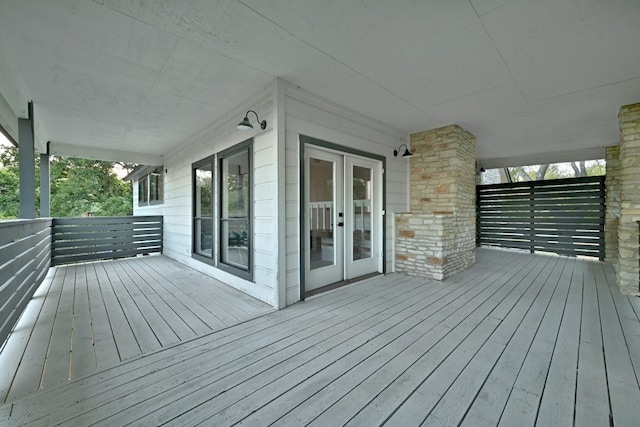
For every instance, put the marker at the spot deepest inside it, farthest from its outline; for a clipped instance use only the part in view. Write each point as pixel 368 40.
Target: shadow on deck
pixel 90 316
pixel 517 339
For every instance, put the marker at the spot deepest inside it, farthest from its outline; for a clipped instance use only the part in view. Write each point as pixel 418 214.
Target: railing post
pixel 532 219
pixel 26 160
pixel 45 187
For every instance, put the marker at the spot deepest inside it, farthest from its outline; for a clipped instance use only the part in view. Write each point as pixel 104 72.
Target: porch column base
pixel 437 238
pixel 628 229
pixel 435 246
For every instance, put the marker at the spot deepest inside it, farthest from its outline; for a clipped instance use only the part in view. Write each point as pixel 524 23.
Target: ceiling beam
pixel 544 158
pixel 83 152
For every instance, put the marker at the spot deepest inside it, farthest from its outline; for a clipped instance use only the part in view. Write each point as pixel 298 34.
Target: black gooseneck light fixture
pixel 406 153
pixel 245 124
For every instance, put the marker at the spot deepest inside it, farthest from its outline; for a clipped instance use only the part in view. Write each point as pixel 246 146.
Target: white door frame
pixel 360 158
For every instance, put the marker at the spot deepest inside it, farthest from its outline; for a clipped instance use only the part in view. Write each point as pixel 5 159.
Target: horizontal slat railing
pixel 99 238
pixel 565 216
pixel 25 247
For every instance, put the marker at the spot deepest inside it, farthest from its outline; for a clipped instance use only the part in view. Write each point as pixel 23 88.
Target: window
pixel 203 208
pixel 143 193
pixel 231 222
pixel 151 187
pixel 156 184
pixel 235 200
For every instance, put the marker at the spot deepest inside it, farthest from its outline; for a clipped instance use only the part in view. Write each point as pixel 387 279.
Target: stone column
pixel 628 232
pixel 437 238
pixel 613 204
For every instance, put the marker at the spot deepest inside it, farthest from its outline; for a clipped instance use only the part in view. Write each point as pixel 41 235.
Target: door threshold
pixel 339 284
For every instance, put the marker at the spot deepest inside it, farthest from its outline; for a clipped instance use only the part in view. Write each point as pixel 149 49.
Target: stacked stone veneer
pixel 437 238
pixel 612 203
pixel 628 241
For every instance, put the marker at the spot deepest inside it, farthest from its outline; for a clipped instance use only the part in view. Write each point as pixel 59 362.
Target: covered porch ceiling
pixel 534 81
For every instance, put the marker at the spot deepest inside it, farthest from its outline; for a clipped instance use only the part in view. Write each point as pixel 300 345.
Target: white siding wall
pixel 307 114
pixel 177 206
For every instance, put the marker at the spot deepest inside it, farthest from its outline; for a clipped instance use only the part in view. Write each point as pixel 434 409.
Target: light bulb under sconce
pixel 245 124
pixel 406 153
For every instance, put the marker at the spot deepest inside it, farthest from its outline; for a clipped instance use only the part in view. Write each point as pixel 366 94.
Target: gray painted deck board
pixel 24 354
pixel 518 339
pixel 624 389
pixel 524 316
pixel 95 315
pixel 557 408
pixel 395 384
pixel 106 349
pixel 592 393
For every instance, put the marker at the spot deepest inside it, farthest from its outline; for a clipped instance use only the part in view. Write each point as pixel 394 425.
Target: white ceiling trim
pixel 544 158
pixel 69 150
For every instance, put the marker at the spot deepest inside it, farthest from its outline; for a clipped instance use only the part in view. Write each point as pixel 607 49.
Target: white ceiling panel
pixel 480 107
pixel 199 74
pixel 484 6
pixel 80 122
pixel 425 52
pixel 86 53
pixel 526 77
pixel 556 47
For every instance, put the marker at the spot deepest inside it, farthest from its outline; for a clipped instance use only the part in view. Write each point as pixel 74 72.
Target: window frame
pixel 144 187
pixel 211 162
pixel 245 146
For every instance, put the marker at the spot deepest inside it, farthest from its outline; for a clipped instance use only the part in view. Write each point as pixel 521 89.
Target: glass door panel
pixel 203 218
pixel 321 213
pixel 324 189
pixel 363 201
pixel 362 219
pixel 234 216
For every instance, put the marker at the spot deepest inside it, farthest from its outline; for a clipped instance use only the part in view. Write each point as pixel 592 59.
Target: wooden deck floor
pixel 88 317
pixel 516 340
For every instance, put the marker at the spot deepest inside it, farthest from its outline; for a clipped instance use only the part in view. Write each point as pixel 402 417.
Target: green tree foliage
pixel 558 170
pixel 9 183
pixel 78 186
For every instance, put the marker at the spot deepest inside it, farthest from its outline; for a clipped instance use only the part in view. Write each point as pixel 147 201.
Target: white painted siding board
pixel 176 207
pixel 312 116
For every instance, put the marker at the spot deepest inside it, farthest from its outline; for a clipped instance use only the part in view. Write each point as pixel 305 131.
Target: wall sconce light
pixel 479 168
pixel 245 124
pixel 406 153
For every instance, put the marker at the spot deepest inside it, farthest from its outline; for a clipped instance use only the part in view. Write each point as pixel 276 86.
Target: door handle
pixel 341 224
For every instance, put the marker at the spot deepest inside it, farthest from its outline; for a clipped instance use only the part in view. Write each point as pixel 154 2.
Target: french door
pixel 343 217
